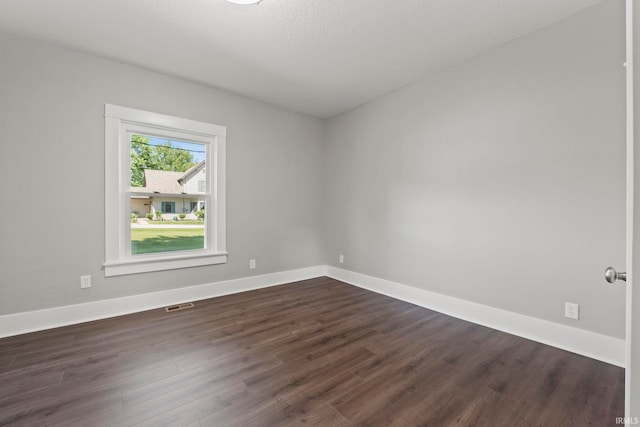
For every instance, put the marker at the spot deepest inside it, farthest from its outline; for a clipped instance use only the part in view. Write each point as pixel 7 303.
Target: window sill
pixel 171 262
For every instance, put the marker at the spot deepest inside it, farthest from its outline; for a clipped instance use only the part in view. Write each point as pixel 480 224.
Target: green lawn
pixel 148 240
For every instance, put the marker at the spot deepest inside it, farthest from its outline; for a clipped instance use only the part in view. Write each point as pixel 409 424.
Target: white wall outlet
pixel 85 282
pixel 252 264
pixel 341 259
pixel 571 310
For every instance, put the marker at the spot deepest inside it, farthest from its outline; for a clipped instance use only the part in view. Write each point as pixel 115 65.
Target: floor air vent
pixel 178 307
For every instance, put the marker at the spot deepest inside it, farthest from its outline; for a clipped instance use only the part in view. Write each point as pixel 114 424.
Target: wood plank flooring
pixel 317 352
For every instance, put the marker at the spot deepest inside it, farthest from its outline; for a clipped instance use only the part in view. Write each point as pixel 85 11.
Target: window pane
pixel 175 171
pixel 155 231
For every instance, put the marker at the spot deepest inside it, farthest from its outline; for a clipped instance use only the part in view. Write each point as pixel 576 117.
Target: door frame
pixel 631 401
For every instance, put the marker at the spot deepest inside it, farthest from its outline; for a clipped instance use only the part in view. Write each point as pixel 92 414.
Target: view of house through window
pixel 167 194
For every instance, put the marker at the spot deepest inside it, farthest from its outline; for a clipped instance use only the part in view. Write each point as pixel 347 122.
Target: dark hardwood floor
pixel 317 352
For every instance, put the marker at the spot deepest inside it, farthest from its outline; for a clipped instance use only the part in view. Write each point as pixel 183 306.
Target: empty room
pixel 319 212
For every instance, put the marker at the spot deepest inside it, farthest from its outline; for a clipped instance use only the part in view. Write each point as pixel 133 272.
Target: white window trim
pixel 119 121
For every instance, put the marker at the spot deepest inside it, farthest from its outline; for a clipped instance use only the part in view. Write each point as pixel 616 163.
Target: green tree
pixel 163 157
pixel 140 159
pixel 168 158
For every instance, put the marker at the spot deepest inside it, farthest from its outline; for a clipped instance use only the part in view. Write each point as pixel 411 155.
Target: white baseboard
pixel 580 341
pixel 596 346
pixel 31 321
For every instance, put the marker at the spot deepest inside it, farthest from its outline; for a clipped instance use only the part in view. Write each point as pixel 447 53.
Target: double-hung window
pixel 158 169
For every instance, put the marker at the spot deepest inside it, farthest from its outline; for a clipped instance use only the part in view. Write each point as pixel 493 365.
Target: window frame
pixel 120 122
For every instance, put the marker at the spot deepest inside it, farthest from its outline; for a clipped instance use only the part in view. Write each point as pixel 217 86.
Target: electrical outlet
pixel 341 258
pixel 571 310
pixel 85 282
pixel 252 264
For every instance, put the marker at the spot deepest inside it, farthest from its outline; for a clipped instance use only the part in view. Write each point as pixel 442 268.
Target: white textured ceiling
pixel 319 57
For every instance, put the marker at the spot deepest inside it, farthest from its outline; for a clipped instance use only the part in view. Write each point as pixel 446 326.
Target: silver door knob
pixel 612 275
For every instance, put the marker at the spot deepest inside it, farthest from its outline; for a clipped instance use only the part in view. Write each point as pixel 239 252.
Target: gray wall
pixel 499 180
pixel 52 174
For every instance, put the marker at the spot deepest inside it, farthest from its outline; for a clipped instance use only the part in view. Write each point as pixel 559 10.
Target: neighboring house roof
pixel 160 182
pixel 140 190
pixel 167 182
pixel 191 172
